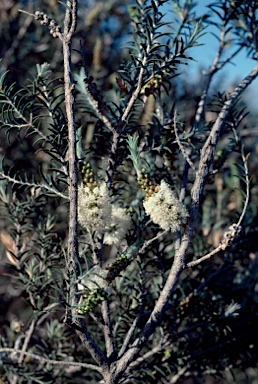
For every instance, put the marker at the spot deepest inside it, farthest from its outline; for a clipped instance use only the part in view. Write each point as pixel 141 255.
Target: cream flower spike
pixel 165 209
pixel 94 208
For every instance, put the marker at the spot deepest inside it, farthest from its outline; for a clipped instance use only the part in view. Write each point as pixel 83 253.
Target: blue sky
pixel 243 65
pixel 205 55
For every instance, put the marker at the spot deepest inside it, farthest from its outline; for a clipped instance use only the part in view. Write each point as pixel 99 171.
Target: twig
pixel 208 150
pixel 108 328
pixel 27 123
pixel 25 347
pixel 129 335
pixel 203 258
pixel 73 167
pixel 187 158
pixel 160 347
pixel 238 224
pixel 247 181
pixel 43 360
pixel 207 156
pixel 77 323
pixel 179 374
pixel 216 66
pixel 33 185
pixel 22 32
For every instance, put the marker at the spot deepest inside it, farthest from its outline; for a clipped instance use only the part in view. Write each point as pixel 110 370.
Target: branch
pixel 73 252
pixel 22 32
pixel 33 185
pixel 73 170
pixel 234 229
pixel 74 21
pixel 25 346
pixel 207 156
pixel 136 93
pixel 203 258
pixel 216 66
pixel 129 335
pixel 187 158
pixel 209 148
pixel 108 329
pixel 43 360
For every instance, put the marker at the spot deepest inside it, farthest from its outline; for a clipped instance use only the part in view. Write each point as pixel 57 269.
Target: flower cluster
pixel 96 213
pixel 165 209
pixel 55 29
pixel 94 208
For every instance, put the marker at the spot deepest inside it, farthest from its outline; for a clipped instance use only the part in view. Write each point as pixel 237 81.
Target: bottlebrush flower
pixel 165 209
pixel 94 208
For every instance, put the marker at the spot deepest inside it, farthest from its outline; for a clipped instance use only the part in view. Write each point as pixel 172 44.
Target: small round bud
pixel 37 15
pixel 52 23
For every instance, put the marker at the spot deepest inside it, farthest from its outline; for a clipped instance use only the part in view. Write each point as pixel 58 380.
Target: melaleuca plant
pixel 124 195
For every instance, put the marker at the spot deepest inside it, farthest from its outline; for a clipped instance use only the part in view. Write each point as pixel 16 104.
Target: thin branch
pixel 22 32
pixel 136 93
pixel 74 21
pixel 57 32
pixel 25 346
pixel 247 182
pixel 209 148
pixel 160 347
pixel 129 335
pixel 216 66
pixel 73 252
pixel 27 123
pixel 73 163
pixel 178 375
pixel 184 182
pixel 207 156
pixel 33 185
pixel 148 242
pixel 203 258
pixel 184 153
pixel 238 224
pixel 43 360
pixel 108 328
pixel 116 135
pixel 27 340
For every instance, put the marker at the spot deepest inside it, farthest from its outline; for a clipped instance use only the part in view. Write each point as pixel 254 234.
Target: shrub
pixel 123 221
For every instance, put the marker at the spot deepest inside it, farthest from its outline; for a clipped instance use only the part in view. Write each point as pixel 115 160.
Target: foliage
pixel 129 216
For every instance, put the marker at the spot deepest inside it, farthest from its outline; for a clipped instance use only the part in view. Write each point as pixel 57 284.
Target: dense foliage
pixel 128 194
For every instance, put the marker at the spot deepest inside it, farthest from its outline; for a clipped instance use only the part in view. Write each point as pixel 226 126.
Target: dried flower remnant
pixel 118 227
pixel 165 209
pixel 94 208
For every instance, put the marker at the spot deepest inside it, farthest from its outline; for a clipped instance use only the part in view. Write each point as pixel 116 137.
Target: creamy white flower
pixel 118 227
pixel 165 209
pixel 94 208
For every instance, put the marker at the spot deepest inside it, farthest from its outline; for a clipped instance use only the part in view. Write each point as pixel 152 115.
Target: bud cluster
pixel 55 29
pixel 117 267
pixel 88 179
pixel 229 236
pixel 95 93
pixel 92 300
pixel 148 186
